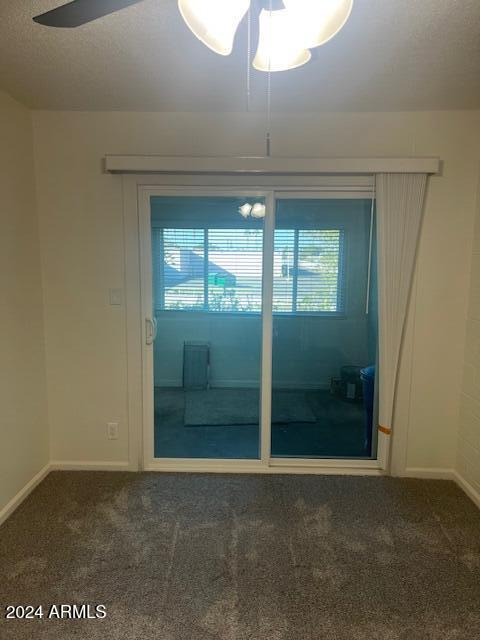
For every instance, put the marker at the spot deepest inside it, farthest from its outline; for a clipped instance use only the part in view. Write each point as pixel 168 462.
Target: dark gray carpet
pixel 338 431
pixel 199 557
pixel 227 407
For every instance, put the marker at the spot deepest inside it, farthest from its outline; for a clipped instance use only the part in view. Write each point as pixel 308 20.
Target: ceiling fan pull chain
pixel 249 53
pixel 269 98
pixel 269 111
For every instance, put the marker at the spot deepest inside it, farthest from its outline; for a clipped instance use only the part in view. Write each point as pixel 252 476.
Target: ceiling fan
pixel 288 29
pixel 78 12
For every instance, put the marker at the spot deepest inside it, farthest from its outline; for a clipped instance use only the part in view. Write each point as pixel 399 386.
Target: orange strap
pixel 384 430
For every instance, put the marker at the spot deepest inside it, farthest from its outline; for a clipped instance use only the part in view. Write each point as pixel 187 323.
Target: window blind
pixel 320 256
pixel 208 269
pixel 220 270
pixel 235 269
pixel 308 271
pixel 283 270
pixel 181 278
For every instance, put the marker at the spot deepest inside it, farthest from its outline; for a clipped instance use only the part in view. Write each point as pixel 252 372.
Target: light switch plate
pixel 116 297
pixel 112 430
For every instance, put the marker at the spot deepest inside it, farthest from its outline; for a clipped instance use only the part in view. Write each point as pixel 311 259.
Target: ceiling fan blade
pixel 74 14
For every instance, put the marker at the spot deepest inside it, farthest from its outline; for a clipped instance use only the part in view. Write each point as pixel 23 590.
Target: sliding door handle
pixel 150 330
pixel 154 328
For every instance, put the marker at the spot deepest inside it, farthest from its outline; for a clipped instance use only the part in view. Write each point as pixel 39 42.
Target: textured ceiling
pixel 391 55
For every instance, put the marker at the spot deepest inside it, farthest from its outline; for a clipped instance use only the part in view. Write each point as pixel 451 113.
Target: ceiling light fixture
pixel 245 210
pixel 256 210
pixel 214 22
pixel 318 21
pixel 286 32
pixel 279 48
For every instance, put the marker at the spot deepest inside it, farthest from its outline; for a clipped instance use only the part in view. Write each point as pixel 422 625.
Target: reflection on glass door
pixel 324 340
pixel 207 257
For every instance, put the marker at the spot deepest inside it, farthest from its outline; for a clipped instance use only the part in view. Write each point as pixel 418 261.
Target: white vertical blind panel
pixel 400 199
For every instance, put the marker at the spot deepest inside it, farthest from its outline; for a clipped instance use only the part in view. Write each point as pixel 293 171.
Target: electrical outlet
pixel 112 430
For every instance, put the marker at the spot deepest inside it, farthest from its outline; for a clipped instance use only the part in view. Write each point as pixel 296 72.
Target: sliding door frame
pixel 141 442
pixel 178 464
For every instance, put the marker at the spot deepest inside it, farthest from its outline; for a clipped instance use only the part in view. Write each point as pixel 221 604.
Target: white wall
pixel 23 417
pixel 83 256
pixel 307 350
pixel 468 454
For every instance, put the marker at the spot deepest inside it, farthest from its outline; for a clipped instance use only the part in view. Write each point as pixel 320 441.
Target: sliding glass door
pixel 324 329
pixel 261 326
pixel 207 263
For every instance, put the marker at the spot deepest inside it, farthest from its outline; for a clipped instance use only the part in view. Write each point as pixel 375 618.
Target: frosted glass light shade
pixel 245 210
pixel 258 210
pixel 214 22
pixel 314 22
pixel 280 47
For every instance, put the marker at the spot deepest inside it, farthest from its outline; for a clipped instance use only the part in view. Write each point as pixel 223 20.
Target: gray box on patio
pixel 196 365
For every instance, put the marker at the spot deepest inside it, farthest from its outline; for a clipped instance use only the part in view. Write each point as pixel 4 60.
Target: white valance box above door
pixel 268 165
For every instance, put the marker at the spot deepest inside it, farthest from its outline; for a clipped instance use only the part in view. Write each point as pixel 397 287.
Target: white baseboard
pixel 247 384
pixel 434 473
pixel 83 465
pixel 202 466
pixel 17 500
pixel 444 474
pixel 168 382
pixel 301 386
pixel 471 492
pixel 214 384
pixel 234 384
pixel 254 384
